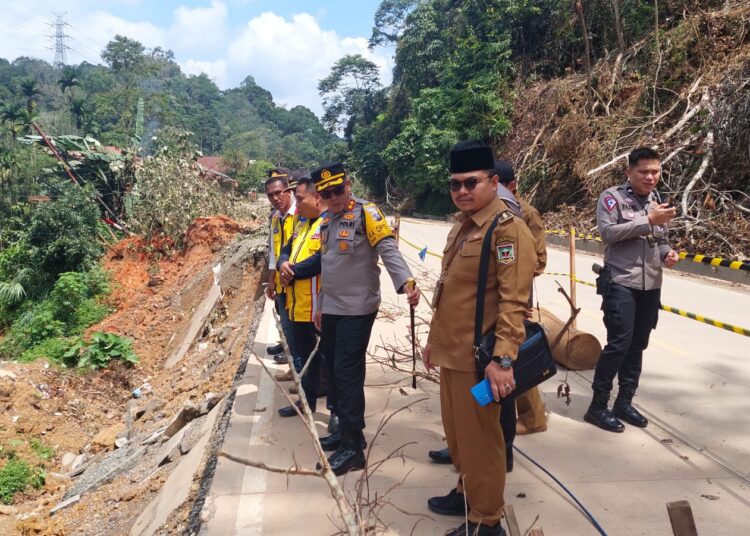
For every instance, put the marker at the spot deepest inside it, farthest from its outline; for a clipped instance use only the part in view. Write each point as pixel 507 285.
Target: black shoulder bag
pixel 534 363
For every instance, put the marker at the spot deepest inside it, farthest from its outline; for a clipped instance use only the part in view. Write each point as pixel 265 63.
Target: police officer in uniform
pixel 299 267
pixel 632 222
pixel 280 231
pixel 475 438
pixel 353 234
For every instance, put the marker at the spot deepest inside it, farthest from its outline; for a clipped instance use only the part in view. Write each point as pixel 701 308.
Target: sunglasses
pixel 336 191
pixel 469 184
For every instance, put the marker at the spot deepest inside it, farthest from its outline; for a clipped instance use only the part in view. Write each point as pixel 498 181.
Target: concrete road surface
pixel 695 389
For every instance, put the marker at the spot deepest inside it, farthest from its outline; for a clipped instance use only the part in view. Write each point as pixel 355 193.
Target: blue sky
pixel 286 45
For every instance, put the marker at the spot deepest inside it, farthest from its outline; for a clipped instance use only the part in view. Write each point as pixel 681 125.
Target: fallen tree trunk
pixel 577 350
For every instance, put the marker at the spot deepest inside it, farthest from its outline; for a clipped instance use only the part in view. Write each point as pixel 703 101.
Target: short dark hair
pixel 642 153
pixel 271 180
pixel 504 170
pixel 308 182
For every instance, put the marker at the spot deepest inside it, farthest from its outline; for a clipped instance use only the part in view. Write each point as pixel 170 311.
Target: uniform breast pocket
pixel 467 260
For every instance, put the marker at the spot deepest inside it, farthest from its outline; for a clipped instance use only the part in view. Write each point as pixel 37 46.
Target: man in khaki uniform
pixel 531 416
pixel 474 436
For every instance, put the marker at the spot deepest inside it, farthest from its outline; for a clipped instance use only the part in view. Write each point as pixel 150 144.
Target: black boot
pixel 349 456
pixel 453 504
pixel 289 411
pixel 623 408
pixel 472 529
pixel 333 442
pixel 442 456
pixel 600 416
pixel 333 423
pixel 509 459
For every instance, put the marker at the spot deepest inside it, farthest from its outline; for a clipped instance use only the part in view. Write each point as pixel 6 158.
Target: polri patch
pixel 610 202
pixel 506 253
pixel 349 216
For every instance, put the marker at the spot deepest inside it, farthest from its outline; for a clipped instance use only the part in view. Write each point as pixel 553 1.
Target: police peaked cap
pixel 471 159
pixel 328 175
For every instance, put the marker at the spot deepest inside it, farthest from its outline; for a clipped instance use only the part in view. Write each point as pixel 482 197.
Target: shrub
pixel 51 349
pixel 99 351
pixel 17 475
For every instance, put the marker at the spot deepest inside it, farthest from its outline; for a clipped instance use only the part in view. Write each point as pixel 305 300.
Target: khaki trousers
pixel 531 409
pixel 476 444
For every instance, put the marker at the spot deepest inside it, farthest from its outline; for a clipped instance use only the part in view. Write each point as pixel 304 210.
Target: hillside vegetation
pixel 561 89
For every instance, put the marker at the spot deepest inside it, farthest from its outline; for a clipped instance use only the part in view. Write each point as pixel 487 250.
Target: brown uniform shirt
pixel 534 221
pixel 511 270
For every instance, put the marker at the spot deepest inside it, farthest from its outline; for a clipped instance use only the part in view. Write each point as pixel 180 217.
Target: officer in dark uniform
pixel 632 222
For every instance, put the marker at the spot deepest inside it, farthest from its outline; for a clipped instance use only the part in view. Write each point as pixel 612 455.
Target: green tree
pixel 29 90
pixel 78 110
pixel 390 21
pixel 12 115
pixel 351 94
pixel 68 80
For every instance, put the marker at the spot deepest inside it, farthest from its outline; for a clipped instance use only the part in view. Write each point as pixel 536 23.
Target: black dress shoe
pixel 452 504
pixel 604 419
pixel 275 349
pixel 333 423
pixel 333 442
pixel 472 529
pixel 289 411
pixel 630 415
pixel 345 459
pixel 281 358
pixel 442 456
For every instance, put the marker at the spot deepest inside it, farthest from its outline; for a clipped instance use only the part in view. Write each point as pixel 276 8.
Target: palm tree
pixel 29 90
pixel 68 80
pixel 77 110
pixel 12 115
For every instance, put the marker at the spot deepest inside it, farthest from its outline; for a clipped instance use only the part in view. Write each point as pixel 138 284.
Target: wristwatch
pixel 505 361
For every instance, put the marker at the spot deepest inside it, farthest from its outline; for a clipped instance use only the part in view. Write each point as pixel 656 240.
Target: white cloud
pixel 199 29
pixel 289 57
pixel 215 70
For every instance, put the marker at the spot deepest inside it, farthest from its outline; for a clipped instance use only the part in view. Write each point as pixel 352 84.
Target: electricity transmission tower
pixel 59 37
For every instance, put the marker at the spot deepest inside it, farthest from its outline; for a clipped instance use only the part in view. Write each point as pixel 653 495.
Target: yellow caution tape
pixel 685 314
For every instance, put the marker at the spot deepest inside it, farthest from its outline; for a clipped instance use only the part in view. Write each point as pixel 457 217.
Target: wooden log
pixel 681 518
pixel 577 350
pixel 510 518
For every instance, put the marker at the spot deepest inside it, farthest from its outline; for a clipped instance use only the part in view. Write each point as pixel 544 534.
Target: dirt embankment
pixel 107 428
pixel 687 94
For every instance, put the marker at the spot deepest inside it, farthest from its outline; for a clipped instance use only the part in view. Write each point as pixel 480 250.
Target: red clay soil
pixel 153 293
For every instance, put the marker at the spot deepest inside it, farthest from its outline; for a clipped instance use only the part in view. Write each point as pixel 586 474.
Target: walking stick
pixel 410 283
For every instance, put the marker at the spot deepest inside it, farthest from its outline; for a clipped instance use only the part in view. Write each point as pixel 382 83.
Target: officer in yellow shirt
pixel 299 268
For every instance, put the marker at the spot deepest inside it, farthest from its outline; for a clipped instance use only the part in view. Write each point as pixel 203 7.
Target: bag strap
pixel 484 265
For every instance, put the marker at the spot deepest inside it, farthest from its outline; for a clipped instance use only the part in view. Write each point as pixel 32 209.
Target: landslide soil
pixel 74 412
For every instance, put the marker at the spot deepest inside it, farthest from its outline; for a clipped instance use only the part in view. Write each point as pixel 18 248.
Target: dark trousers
pixel 629 316
pixel 305 338
pixel 286 326
pixel 508 423
pixel 344 341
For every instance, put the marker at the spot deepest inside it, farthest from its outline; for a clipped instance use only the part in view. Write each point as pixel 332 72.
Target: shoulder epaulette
pixel 504 216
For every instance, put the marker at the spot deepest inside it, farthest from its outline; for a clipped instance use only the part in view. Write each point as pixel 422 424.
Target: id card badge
pixel 482 393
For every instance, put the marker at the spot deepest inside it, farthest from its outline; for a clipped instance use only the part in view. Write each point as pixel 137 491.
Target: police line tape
pixel 700 318
pixel 695 257
pixel 686 314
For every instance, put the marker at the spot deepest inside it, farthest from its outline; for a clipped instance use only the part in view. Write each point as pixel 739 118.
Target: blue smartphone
pixel 482 393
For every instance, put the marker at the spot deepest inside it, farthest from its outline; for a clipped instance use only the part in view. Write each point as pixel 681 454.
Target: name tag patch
pixel 506 253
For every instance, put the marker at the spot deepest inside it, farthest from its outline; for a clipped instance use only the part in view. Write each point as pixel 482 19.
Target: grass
pixel 16 476
pixel 44 452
